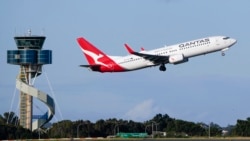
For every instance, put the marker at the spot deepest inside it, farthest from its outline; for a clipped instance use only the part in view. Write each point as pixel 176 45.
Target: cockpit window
pixel 225 38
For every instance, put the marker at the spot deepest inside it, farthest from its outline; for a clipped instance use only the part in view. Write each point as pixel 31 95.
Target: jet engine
pixel 177 59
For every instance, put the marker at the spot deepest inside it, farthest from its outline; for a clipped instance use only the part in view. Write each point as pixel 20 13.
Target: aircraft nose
pixel 233 41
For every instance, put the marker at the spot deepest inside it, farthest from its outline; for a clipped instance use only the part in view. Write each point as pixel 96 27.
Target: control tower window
pixel 29 43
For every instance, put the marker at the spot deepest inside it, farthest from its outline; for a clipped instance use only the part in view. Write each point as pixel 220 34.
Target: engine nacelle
pixel 177 59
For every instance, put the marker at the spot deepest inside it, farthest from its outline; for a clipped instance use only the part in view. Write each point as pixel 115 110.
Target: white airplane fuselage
pixel 187 49
pixel 174 54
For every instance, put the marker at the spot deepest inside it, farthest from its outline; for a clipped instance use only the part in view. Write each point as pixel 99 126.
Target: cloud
pixel 142 111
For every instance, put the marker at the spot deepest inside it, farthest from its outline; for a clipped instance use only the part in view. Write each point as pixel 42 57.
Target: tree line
pixel 159 126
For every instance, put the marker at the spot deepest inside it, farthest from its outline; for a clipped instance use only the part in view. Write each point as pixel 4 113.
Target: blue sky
pixel 208 88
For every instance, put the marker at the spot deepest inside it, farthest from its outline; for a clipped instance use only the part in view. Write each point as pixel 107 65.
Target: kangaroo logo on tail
pixel 98 61
pixel 93 55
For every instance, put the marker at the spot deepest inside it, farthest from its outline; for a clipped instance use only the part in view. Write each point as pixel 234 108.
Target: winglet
pixel 129 49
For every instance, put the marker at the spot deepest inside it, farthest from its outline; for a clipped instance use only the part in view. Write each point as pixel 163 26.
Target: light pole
pixel 152 129
pixel 209 130
pixel 78 129
pixel 153 122
pixel 117 125
pixel 146 127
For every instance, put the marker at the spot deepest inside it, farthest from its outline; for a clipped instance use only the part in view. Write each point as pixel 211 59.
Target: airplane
pixel 173 54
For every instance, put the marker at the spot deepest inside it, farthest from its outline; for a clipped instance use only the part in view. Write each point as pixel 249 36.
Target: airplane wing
pixel 157 59
pixel 92 67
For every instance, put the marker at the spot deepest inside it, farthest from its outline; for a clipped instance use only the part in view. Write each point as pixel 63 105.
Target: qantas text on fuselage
pixel 173 54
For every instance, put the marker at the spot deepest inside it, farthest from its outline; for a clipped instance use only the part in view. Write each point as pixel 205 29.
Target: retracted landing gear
pixel 162 67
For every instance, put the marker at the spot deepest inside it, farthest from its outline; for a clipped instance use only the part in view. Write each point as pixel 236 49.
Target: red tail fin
pixel 93 54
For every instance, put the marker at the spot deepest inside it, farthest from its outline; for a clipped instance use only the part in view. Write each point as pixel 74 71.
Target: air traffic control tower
pixel 30 57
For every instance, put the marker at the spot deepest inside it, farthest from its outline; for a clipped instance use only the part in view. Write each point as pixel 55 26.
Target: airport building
pixel 30 57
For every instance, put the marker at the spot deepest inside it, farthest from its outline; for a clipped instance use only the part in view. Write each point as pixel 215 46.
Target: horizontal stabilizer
pixel 85 66
pixel 89 66
pixel 92 67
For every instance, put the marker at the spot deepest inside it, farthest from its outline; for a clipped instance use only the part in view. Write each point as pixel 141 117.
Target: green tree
pixel 62 129
pixel 8 118
pixel 215 129
pixel 242 128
